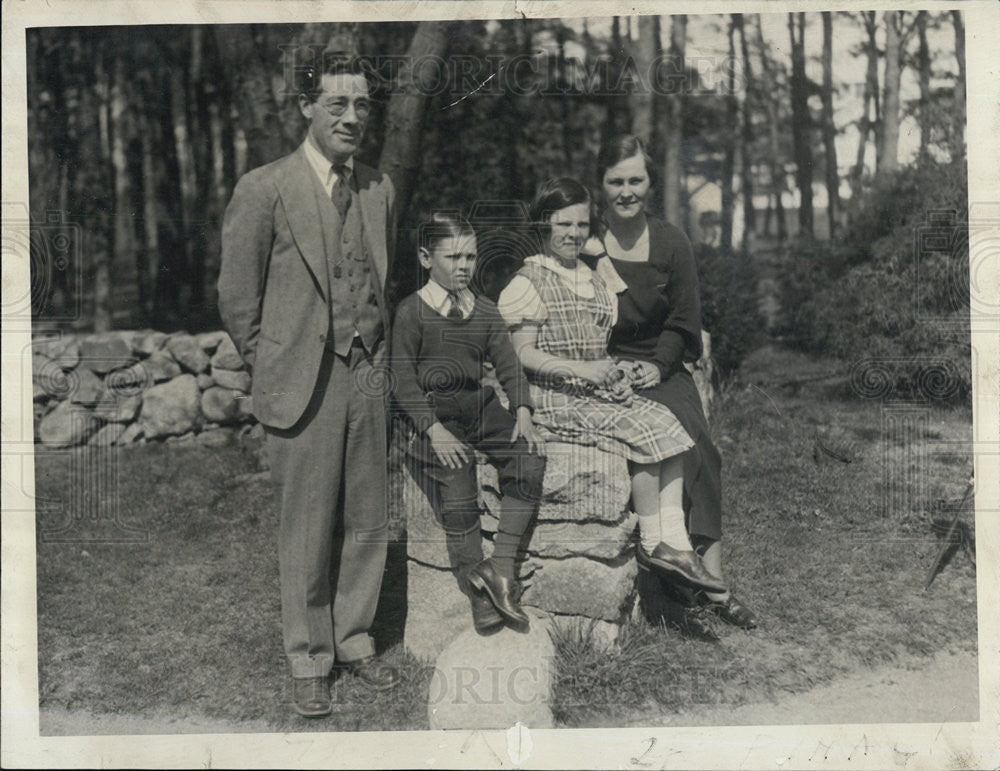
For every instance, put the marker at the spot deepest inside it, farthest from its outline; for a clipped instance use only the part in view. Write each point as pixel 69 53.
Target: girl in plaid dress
pixel 560 314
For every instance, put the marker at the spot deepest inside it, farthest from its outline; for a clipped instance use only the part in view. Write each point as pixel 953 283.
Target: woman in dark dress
pixel 659 328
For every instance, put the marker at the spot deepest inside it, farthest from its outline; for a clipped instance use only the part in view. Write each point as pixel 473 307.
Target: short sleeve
pixel 519 302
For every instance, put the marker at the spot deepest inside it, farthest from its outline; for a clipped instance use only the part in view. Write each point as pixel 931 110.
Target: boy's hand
pixel 450 451
pixel 524 427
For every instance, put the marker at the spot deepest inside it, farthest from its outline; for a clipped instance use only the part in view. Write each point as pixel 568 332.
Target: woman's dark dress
pixel 659 320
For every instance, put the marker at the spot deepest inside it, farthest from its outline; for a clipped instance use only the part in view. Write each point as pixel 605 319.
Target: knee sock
pixel 667 524
pixel 515 516
pixel 672 529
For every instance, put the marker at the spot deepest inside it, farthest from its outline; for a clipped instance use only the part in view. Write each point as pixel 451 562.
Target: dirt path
pixel 944 690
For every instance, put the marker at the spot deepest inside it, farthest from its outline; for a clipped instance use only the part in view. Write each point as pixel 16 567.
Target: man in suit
pixel 306 244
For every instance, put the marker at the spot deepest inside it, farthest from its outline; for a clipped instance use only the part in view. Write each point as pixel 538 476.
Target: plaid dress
pixel 571 409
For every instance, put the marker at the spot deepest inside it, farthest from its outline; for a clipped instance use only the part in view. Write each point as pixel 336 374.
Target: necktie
pixel 454 312
pixel 341 193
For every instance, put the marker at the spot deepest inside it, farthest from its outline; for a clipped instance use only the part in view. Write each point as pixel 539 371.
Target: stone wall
pixel 126 387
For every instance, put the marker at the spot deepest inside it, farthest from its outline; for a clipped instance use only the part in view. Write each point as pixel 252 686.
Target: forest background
pixel 817 160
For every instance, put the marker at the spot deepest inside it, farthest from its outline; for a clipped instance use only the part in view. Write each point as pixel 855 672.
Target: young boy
pixel 442 336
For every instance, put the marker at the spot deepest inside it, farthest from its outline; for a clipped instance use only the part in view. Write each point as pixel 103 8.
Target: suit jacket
pixel 273 285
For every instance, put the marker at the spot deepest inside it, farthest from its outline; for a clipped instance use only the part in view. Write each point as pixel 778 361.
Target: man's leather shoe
pixel 679 565
pixel 485 618
pixel 500 590
pixel 373 672
pixel 312 696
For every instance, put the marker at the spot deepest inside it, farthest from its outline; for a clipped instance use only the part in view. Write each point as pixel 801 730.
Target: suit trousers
pixel 329 477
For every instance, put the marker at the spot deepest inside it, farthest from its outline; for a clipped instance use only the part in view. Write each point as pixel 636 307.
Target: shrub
pixel 896 286
pixel 729 305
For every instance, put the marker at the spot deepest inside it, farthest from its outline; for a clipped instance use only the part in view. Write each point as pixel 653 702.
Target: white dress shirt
pixel 439 298
pixel 323 167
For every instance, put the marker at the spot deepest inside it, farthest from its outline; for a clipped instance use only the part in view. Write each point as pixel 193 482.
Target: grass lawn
pixel 184 625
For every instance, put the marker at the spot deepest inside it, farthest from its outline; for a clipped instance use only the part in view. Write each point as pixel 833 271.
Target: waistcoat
pixel 351 282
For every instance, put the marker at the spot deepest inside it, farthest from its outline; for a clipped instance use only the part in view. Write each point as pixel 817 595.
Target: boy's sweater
pixel 433 353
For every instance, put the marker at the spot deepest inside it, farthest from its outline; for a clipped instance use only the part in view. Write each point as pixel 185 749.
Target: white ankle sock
pixel 649 531
pixel 672 530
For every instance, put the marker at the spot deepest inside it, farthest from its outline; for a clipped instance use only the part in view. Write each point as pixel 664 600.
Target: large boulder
pixel 495 682
pixel 147 343
pixel 103 354
pixel 172 408
pixel 234 379
pixel 226 356
pixel 219 405
pixel 158 368
pixel 209 341
pixel 87 387
pixel 108 435
pixel 583 587
pixel 119 409
pixel 67 426
pixel 187 351
pixel 64 351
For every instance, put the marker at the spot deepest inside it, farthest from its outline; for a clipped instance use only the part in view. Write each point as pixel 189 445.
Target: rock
pixel 702 371
pixel 87 387
pixel 205 381
pixel 132 432
pixel 160 366
pixel 582 586
pixel 218 437
pixel 496 681
pixel 186 350
pixel 108 435
pixel 147 343
pixel 220 405
pixel 171 408
pixel 103 354
pixel 246 408
pixel 581 483
pixel 226 356
pixel 122 409
pixel 436 612
pixel 227 378
pixel 67 426
pixel 64 351
pixel 187 436
pixel 209 341
pixel 38 393
pixel 575 539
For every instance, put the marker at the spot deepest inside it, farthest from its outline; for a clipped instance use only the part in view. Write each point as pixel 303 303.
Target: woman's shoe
pixel 679 565
pixel 733 612
pixel 500 590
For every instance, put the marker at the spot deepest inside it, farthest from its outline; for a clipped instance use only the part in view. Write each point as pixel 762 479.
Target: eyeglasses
pixel 362 109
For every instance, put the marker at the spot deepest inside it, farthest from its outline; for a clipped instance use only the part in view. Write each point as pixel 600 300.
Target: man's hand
pixel 450 450
pixel 524 427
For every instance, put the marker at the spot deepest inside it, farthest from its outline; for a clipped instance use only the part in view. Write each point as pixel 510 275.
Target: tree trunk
pixel 258 113
pixel 123 251
pixel 102 256
pixel 801 124
pixel 746 137
pixel 617 117
pixel 729 158
pixel 777 166
pixel 887 157
pixel 829 129
pixel 674 125
pixel 924 77
pixel 400 156
pixel 646 54
pixel 960 96
pixel 866 124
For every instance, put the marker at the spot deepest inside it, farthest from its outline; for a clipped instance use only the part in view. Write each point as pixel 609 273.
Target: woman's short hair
pixel 619 147
pixel 440 225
